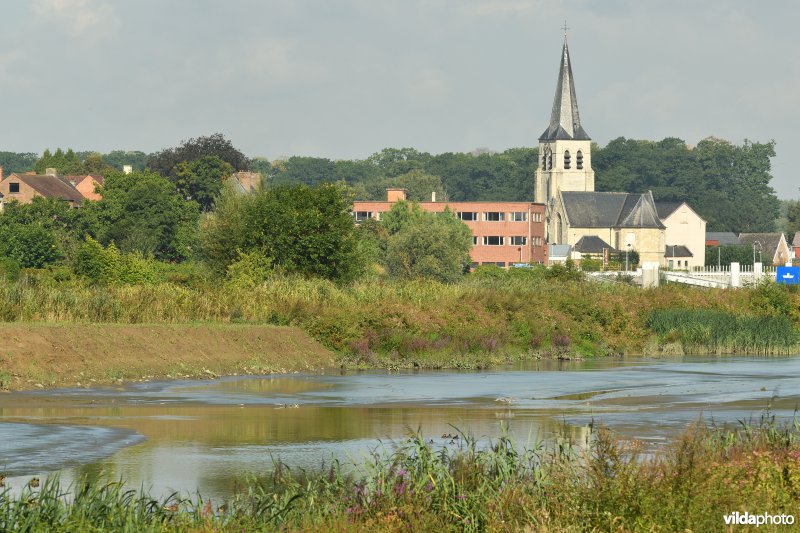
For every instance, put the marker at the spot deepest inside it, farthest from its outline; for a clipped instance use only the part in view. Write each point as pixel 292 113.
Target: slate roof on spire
pixel 565 122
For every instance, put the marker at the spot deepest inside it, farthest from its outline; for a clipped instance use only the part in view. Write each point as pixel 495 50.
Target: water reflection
pixel 207 435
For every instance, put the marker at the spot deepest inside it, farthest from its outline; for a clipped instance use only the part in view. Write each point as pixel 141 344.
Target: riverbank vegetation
pixel 488 318
pixel 599 484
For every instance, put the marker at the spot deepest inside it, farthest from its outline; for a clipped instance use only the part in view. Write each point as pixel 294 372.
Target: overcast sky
pixel 345 78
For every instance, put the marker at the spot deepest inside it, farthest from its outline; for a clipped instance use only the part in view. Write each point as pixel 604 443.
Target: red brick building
pixel 503 233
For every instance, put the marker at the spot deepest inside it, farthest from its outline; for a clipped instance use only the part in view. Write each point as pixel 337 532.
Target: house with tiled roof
pixel 87 185
pixel 768 247
pixel 25 187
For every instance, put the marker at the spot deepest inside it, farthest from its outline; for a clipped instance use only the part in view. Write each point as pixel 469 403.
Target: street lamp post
pixel 754 251
pixel 627 249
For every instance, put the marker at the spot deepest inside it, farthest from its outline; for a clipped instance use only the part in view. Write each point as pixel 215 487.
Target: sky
pixel 346 78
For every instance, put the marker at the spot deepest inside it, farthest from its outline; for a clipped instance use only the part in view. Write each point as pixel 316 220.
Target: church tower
pixel 565 159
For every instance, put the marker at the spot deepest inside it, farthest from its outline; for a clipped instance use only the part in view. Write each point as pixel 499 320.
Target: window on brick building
pixel 537 217
pixel 474 241
pixel 362 215
pixel 13 187
pixel 494 216
pixel 519 216
pixel 519 241
pixel 493 240
pixel 468 216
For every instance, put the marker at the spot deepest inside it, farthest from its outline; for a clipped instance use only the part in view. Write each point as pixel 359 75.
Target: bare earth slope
pixel 69 355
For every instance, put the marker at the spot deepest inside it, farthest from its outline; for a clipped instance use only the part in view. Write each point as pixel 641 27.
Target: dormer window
pixel 579 160
pixel 567 160
pixel 13 187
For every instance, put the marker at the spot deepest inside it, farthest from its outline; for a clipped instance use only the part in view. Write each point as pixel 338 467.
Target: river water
pixel 191 436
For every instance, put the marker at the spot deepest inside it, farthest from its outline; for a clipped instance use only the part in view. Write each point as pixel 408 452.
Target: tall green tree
pixel 304 170
pixel 793 216
pixel 201 180
pixel 64 162
pixel 143 212
pixel 13 162
pixel 429 245
pixel 166 161
pixel 299 229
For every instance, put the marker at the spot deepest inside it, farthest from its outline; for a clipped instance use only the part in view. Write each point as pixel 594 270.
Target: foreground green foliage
pixel 595 483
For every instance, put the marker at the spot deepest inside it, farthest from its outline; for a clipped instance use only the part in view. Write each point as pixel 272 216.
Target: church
pixel 575 214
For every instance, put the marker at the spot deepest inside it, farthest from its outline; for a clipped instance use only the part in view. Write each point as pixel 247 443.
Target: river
pixel 204 436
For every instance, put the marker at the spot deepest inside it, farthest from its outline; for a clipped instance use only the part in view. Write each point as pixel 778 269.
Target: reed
pixel 596 484
pixel 722 332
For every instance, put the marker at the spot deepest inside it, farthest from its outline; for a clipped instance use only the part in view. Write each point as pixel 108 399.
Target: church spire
pixel 565 122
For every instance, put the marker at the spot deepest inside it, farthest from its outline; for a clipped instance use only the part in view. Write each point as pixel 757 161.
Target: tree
pixel 305 170
pixel 793 215
pixel 143 212
pixel 422 244
pixel 300 229
pixel 95 164
pixel 726 184
pixel 31 246
pixel 67 163
pixel 13 162
pixel 119 158
pixel 201 180
pixel 166 161
pixel 420 186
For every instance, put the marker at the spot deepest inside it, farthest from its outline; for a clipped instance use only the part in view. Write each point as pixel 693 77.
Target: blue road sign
pixel 788 275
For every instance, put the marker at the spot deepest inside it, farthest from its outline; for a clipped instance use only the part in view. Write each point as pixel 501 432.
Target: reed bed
pixel 719 332
pixel 598 484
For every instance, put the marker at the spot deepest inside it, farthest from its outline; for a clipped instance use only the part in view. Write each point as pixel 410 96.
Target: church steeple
pixel 565 122
pixel 565 149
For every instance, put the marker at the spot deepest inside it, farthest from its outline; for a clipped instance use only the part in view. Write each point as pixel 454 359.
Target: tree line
pixel 175 207
pixel 726 183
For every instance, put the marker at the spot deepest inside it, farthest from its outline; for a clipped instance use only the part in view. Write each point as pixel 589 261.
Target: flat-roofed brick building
pixel 503 233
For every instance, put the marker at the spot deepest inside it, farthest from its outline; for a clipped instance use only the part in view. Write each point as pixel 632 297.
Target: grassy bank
pixel 599 485
pixel 80 355
pixel 489 318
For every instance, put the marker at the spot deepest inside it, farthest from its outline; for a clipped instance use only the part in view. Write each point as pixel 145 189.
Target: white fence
pixel 734 276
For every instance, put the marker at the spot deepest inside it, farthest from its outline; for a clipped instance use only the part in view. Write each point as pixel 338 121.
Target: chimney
pixel 127 169
pixel 1 173
pixel 50 171
pixel 396 195
pixel 433 196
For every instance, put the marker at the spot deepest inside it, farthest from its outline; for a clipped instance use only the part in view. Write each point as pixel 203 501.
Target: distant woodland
pixel 727 184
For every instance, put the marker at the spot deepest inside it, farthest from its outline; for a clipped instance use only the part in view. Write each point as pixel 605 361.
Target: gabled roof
pixel 796 239
pixel 76 180
pixel 722 238
pixel 592 244
pixel 565 122
pixel 610 210
pixel 51 187
pixel 665 209
pixel 768 241
pixel 677 251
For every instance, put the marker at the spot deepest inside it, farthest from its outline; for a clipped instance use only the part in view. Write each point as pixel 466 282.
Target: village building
pixel 565 184
pixel 25 187
pixel 87 185
pixel 768 247
pixel 684 233
pixel 503 233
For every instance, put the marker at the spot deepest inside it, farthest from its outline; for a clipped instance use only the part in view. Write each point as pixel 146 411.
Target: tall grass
pixel 379 321
pixel 600 484
pixel 714 331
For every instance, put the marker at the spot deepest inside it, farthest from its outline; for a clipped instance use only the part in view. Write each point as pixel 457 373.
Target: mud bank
pixel 80 355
